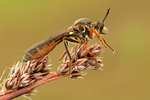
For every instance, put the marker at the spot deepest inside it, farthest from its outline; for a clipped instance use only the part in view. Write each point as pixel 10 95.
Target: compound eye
pixel 101 25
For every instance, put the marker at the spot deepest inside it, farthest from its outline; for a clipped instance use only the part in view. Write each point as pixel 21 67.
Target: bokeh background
pixel 126 74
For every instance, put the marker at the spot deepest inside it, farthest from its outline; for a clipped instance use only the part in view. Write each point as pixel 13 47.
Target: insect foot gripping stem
pixel 81 60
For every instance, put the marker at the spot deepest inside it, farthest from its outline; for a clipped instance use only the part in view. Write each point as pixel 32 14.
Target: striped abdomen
pixel 40 51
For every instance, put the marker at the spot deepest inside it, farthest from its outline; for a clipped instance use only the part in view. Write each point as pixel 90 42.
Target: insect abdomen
pixel 39 51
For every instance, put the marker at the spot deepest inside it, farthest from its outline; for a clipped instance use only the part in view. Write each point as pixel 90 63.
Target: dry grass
pixel 23 78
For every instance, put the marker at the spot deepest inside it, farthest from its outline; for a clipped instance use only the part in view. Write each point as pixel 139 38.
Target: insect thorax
pixel 82 21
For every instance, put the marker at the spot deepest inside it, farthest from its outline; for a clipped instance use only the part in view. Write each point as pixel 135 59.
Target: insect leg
pixel 65 39
pixel 71 40
pixel 103 40
pixel 107 44
pixel 64 53
pixel 97 35
pixel 68 39
pixel 66 47
pixel 85 47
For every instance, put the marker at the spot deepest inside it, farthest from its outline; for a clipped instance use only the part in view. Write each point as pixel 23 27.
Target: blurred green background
pixel 126 74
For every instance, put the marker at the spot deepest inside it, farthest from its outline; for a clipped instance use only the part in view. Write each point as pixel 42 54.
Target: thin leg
pixel 68 55
pixel 64 53
pixel 103 40
pixel 75 53
pixel 91 33
pixel 85 47
pixel 107 43
pixel 97 35
pixel 66 47
pixel 71 40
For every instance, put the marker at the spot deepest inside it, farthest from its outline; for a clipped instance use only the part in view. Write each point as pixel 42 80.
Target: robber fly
pixel 80 32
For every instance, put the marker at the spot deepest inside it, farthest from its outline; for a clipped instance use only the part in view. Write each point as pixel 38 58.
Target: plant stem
pixel 15 94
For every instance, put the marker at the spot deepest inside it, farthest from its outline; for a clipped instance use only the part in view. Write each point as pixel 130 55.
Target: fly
pixel 80 32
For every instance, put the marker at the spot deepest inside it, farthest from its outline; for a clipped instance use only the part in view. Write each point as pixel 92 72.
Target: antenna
pixel 106 15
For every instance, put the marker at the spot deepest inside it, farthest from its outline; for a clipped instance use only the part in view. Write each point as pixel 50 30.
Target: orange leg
pixel 103 40
pixel 85 47
pixel 97 35
pixel 91 32
pixel 107 44
pixel 64 53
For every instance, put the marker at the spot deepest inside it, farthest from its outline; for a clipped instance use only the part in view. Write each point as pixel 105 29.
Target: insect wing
pixel 50 39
